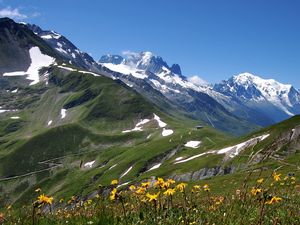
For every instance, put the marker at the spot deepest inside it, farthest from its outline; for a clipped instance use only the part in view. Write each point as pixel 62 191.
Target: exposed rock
pixel 204 173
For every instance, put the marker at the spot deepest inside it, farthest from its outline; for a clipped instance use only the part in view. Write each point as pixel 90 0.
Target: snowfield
pixel 38 60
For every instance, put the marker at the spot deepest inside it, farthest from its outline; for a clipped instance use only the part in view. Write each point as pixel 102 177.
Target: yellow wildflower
pixel 141 190
pixel 206 188
pixel 169 182
pixel 273 200
pixel 61 200
pixel 113 194
pixel 293 178
pixel 181 186
pixel 114 182
pixel 43 199
pixel 132 187
pixel 169 192
pixel 276 176
pixel 255 191
pixel 90 201
pixel 260 180
pixel 146 184
pixel 152 197
pixel 159 182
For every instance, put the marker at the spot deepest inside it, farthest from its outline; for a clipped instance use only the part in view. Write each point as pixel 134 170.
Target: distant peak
pixel 175 68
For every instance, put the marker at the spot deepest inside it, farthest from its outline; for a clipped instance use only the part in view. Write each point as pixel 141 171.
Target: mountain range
pixel 67 119
pixel 246 97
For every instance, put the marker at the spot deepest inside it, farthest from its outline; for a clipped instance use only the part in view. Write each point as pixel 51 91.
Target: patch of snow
pixel 124 69
pixel 73 55
pixel 149 136
pixel 126 172
pixel 48 36
pixel 138 126
pixel 89 164
pixel 7 110
pixel 49 122
pixel 154 167
pixel 179 158
pixel 193 144
pixel 61 50
pixel 167 132
pixel 160 123
pixel 38 60
pixel 14 91
pixel 15 117
pixel 63 113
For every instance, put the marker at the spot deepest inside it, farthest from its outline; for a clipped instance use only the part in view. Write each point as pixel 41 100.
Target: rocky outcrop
pixel 205 173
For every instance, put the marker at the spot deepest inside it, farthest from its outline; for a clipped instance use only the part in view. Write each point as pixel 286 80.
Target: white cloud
pixel 197 80
pixel 12 13
pixel 130 54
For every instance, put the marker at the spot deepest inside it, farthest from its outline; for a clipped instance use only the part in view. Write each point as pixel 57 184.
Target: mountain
pixel 139 70
pixel 266 96
pixel 16 42
pixel 245 96
pixel 65 48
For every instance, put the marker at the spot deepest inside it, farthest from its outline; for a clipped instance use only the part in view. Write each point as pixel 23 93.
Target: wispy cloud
pixel 12 13
pixel 16 14
pixel 130 54
pixel 197 80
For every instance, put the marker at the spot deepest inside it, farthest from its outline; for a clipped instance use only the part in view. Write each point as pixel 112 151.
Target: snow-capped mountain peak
pixel 252 89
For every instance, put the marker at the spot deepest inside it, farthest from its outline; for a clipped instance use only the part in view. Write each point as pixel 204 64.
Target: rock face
pixel 15 42
pixel 204 173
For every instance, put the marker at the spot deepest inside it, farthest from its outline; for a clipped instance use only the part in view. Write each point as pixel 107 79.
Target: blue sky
pixel 214 39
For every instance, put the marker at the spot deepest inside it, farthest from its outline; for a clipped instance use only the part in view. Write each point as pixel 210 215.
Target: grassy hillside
pixel 36 153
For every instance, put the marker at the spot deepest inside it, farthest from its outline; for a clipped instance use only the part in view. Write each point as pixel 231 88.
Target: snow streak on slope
pixel 126 172
pixel 138 126
pixel 159 121
pixel 231 151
